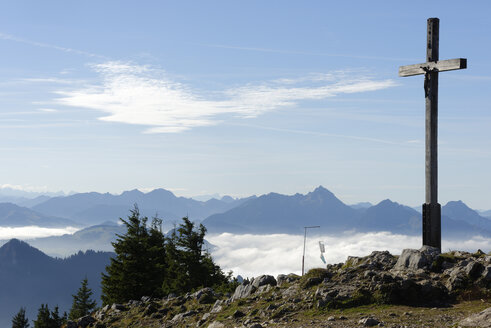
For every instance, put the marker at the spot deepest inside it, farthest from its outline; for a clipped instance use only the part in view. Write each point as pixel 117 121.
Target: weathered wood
pixel 431 100
pixel 439 66
pixel 431 208
pixel 430 69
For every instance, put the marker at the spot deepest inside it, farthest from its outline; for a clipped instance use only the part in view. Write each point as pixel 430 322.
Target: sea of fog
pixel 31 232
pixel 251 255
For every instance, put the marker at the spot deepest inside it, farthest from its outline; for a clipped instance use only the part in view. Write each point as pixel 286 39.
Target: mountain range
pixel 275 213
pixel 29 278
pixel 94 208
pixel 98 237
pixel 98 214
pixel 12 215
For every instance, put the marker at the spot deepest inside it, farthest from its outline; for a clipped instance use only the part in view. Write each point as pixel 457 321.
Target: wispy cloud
pixel 252 255
pixel 322 134
pixel 51 80
pixel 142 95
pixel 10 37
pixel 48 110
pixel 303 53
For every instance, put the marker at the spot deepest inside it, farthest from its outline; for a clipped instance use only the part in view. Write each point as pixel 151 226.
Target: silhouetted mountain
pixel 29 278
pixel 23 201
pixel 457 210
pixel 11 192
pixel 486 214
pixel 391 216
pixel 275 213
pixel 98 237
pixel 93 208
pixel 12 215
pixel 32 202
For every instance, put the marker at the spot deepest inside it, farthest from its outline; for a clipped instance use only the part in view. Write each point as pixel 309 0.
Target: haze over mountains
pixel 29 278
pixel 275 213
pixel 98 214
pixel 26 271
pixel 94 208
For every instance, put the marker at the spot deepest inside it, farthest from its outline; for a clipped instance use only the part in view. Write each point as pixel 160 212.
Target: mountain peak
pixel 321 191
pixel 132 192
pixel 456 203
pixel 17 251
pixel 387 202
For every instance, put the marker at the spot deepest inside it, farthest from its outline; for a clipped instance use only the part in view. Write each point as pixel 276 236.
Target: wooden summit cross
pixel 431 208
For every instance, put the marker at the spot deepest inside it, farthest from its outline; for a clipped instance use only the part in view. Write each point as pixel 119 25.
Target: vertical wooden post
pixel 432 235
pixel 431 208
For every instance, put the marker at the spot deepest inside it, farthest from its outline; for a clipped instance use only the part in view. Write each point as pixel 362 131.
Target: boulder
pixel 85 321
pixel 313 281
pixel 118 307
pixel 380 260
pixel 474 269
pixel 264 280
pixel 481 319
pixel 255 325
pixel 413 259
pixel 180 316
pixel 486 273
pixel 368 322
pixel 216 324
pixel 282 278
pixel 217 307
pixel 238 314
pixel 204 295
pixel 243 291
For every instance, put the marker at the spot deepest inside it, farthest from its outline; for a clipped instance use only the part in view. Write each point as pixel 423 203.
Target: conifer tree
pixel 49 319
pixel 20 320
pixel 190 266
pixel 82 304
pixel 56 320
pixel 139 266
pixel 44 318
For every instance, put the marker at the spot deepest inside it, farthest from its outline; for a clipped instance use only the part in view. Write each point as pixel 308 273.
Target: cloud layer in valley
pixel 31 232
pixel 252 255
pixel 146 96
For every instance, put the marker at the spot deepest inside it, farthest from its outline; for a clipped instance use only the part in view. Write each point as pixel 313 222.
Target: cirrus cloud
pixel 135 94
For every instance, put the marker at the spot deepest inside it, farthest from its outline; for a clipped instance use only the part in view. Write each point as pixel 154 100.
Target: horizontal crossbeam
pixel 438 66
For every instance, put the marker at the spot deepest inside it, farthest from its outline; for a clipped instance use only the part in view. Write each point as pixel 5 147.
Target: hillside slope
pixel 420 288
pixel 28 278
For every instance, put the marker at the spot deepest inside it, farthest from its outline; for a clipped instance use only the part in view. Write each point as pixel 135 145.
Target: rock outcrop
pixel 420 278
pixel 481 319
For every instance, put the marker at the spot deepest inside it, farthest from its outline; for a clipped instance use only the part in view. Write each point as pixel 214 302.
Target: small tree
pixel 82 303
pixel 57 320
pixel 191 267
pixel 20 320
pixel 49 319
pixel 139 266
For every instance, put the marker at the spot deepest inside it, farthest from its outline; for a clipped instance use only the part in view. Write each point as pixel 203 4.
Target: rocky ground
pixel 419 288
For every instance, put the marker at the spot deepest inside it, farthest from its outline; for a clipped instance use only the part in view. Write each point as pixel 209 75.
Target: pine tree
pixel 139 266
pixel 56 320
pixel 82 303
pixel 20 320
pixel 190 266
pixel 49 319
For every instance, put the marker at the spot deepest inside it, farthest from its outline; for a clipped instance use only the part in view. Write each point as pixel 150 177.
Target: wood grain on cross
pixel 430 69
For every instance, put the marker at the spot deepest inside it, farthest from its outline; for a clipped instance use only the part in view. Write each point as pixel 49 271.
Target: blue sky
pixel 241 98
